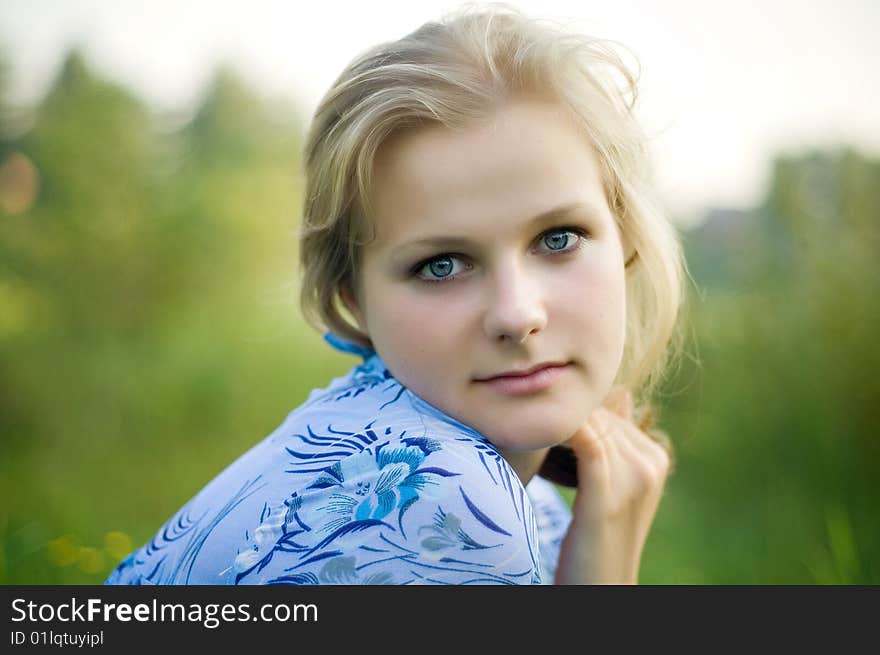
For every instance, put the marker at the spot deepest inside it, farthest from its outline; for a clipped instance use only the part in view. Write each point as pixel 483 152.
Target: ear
pixel 351 303
pixel 630 254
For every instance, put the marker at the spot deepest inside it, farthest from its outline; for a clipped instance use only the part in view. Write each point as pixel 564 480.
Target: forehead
pixel 522 159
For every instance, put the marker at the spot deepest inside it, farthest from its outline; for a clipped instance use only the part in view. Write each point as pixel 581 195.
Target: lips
pixel 526 382
pixel 522 373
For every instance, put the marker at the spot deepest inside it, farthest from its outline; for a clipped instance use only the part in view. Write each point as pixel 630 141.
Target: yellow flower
pixel 63 551
pixel 117 544
pixel 90 560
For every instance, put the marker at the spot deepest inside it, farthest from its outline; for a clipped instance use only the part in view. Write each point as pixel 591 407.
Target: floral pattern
pixel 410 497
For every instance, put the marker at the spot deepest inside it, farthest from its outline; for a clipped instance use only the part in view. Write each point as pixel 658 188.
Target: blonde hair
pixel 453 72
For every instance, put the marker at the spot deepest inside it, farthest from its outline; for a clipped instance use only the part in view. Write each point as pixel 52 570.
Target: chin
pixel 523 436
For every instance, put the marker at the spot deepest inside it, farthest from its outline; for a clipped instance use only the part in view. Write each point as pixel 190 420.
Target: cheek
pixel 417 337
pixel 594 300
pixel 418 324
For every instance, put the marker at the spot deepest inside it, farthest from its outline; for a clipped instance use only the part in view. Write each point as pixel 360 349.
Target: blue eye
pixel 556 240
pixel 442 268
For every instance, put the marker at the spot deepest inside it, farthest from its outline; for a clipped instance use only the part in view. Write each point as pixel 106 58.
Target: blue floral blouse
pixel 364 483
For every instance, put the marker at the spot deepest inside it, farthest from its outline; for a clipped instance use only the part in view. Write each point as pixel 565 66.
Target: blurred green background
pixel 149 334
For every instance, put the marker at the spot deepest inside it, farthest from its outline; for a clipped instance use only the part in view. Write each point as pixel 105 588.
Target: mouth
pixel 525 372
pixel 532 380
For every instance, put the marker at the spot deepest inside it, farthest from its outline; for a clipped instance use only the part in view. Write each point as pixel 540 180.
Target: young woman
pixel 478 202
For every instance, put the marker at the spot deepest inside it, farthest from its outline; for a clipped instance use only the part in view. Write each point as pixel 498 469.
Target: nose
pixel 514 304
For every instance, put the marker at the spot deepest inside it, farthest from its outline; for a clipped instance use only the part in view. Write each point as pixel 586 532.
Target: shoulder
pixel 547 502
pixel 412 509
pixel 363 475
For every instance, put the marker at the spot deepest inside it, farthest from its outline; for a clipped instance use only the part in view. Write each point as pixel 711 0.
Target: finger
pixel 603 425
pixel 655 457
pixel 634 478
pixel 619 401
pixel 638 478
pixel 628 405
pixel 642 443
pixel 596 454
pixel 591 439
pixel 645 423
pixel 620 440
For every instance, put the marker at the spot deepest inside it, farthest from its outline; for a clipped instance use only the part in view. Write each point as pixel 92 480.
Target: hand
pixel 621 473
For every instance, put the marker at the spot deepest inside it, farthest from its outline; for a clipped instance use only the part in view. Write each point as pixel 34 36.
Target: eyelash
pixel 578 232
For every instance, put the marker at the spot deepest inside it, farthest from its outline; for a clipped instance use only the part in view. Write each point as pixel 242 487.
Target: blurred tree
pixel 129 291
pixel 779 437
pixel 830 202
pixel 80 250
pixel 232 126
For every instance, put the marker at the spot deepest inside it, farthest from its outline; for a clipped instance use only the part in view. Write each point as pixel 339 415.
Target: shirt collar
pixel 346 346
pixel 372 361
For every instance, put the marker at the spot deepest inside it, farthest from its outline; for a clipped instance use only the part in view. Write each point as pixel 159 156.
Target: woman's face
pixel 496 252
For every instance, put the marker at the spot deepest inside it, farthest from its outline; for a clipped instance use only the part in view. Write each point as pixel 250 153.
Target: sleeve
pixel 553 517
pixel 417 511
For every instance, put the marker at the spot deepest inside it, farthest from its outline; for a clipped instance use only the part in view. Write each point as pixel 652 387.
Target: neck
pixel 525 464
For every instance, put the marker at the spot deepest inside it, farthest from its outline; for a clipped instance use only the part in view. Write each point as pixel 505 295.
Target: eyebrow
pixel 547 216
